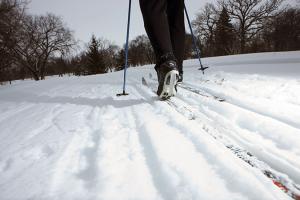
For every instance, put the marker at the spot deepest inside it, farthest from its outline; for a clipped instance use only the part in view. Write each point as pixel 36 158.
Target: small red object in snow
pixel 282 187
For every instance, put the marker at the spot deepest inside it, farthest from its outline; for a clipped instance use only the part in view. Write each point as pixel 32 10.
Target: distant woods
pixel 101 56
pixel 247 26
pixel 28 43
pixel 36 46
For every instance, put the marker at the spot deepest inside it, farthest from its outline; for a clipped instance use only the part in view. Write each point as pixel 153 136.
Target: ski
pixel 195 90
pixel 200 92
pixel 281 180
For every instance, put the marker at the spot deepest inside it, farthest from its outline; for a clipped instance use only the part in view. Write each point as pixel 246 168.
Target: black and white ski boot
pixel 167 75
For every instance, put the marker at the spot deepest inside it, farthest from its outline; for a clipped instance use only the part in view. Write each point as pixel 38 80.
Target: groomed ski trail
pixel 265 136
pixel 280 179
pixel 72 138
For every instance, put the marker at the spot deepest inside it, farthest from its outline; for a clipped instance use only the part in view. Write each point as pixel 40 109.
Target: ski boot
pixel 167 75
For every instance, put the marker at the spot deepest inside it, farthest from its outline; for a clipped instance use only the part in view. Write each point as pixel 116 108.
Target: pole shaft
pixel 193 38
pixel 126 48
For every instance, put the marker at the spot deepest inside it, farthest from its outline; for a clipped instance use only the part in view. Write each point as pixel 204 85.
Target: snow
pixel 73 138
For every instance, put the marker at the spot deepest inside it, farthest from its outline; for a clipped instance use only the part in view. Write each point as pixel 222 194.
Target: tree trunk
pixel 242 48
pixel 35 76
pixel 42 74
pixel 43 68
pixel 243 42
pixel 34 73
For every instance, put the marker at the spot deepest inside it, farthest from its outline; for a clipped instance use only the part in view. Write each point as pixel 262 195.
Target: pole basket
pixel 122 94
pixel 203 68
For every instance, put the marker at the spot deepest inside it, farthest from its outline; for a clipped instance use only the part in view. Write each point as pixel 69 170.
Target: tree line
pixel 247 26
pixel 35 46
pixel 28 42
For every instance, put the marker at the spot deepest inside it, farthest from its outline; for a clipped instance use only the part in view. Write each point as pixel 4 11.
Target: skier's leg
pixel 175 12
pixel 157 26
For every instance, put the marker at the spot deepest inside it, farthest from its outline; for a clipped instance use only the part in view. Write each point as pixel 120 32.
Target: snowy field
pixel 71 138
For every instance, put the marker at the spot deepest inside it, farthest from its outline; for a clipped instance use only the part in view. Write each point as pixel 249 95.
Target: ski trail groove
pixel 294 188
pixel 193 134
pixel 227 125
pixel 78 162
pixel 180 111
pixel 231 100
pixel 160 181
pixel 183 129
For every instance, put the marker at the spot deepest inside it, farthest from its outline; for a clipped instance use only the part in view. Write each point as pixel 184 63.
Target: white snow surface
pixel 72 138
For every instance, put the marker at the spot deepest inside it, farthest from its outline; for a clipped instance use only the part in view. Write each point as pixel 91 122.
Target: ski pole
pixel 126 52
pixel 194 41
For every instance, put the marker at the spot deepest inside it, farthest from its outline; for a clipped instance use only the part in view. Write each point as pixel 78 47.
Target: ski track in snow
pixel 280 151
pixel 72 138
pixel 267 110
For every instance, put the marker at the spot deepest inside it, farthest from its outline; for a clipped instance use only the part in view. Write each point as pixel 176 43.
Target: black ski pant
pixel 164 24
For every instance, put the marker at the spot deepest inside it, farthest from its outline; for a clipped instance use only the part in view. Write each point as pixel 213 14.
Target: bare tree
pixel 249 16
pixel 120 60
pixel 140 51
pixel 111 56
pixel 205 24
pixel 188 47
pixel 11 16
pixel 283 31
pixel 42 37
pixel 108 51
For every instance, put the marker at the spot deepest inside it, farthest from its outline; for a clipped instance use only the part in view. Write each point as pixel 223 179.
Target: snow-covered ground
pixel 73 138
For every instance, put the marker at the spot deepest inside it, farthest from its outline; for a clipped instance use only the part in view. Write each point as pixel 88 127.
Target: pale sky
pixel 104 18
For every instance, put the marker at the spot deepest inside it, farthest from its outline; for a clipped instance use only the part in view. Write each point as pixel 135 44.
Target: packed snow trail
pixel 279 179
pixel 72 138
